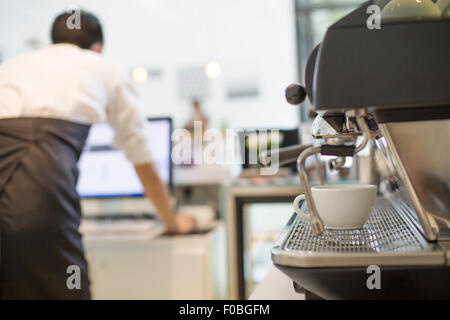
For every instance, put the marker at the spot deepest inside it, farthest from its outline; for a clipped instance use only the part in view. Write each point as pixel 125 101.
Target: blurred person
pixel 197 115
pixel 195 140
pixel 48 100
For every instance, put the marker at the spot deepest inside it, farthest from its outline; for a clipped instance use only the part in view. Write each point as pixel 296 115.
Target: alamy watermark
pixel 74 279
pixel 213 146
pixel 374 280
pixel 74 20
pixel 374 20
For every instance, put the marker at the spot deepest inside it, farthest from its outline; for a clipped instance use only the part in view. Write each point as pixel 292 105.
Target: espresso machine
pixel 387 90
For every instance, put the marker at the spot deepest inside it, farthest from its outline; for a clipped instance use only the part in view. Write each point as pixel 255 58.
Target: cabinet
pixel 166 267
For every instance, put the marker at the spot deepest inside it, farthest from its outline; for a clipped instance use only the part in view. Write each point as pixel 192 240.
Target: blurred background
pixel 235 58
pixel 253 50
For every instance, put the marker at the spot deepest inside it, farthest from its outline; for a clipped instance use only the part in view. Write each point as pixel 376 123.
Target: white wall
pixel 252 40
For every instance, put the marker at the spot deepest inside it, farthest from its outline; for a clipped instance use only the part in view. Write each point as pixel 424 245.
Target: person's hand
pixel 183 224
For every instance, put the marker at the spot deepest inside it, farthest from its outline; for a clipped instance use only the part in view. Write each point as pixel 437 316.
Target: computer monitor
pixel 106 173
pixel 286 138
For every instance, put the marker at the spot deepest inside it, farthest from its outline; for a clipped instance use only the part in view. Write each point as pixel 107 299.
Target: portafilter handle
pixel 284 155
pixel 316 221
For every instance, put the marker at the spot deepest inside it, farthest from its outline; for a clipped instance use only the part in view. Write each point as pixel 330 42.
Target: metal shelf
pixel 388 238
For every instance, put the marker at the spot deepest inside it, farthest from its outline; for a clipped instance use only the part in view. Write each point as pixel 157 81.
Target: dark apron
pixel 40 209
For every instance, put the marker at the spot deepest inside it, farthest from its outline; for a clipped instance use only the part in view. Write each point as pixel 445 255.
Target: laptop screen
pixel 105 171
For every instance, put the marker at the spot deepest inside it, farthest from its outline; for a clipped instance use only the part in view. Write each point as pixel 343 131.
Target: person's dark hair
pixel 88 33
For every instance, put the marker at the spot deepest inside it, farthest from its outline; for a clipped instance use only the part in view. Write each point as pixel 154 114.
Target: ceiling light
pixel 212 70
pixel 139 74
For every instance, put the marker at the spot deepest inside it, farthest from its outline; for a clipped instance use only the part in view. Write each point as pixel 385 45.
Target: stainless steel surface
pixel 387 239
pixel 321 128
pixel 421 154
pixel 334 165
pixel 383 163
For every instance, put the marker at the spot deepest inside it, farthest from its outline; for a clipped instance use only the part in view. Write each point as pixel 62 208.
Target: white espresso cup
pixel 341 206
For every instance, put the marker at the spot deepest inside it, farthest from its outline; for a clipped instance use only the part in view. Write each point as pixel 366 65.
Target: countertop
pixel 276 286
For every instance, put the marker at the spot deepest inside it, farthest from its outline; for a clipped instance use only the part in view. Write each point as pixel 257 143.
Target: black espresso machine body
pixel 391 86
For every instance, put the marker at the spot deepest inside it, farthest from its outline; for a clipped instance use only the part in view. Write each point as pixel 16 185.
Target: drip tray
pixel 387 239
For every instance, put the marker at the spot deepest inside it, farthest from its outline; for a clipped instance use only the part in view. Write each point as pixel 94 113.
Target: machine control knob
pixel 295 94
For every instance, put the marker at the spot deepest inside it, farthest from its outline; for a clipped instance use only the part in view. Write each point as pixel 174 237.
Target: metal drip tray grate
pixel 385 231
pixel 387 238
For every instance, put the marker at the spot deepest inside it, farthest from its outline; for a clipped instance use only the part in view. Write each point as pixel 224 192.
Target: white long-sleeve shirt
pixel 65 82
